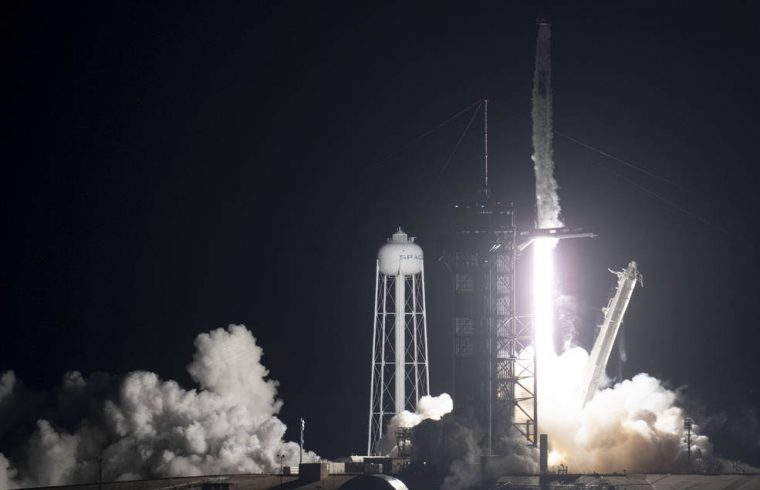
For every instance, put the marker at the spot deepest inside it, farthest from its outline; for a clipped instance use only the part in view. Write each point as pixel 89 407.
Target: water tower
pixel 399 338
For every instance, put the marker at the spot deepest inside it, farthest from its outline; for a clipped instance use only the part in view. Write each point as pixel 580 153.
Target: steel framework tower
pixel 494 367
pixel 399 339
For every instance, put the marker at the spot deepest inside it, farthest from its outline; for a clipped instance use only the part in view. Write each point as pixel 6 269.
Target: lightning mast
pixel 613 318
pixel 493 376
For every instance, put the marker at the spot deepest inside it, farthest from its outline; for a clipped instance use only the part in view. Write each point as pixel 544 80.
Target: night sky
pixel 174 167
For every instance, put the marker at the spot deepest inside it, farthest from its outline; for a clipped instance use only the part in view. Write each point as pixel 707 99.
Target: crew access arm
pixel 613 318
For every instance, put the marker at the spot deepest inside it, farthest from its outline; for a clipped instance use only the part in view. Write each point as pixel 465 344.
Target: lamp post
pixel 687 423
pixel 300 452
pixel 281 456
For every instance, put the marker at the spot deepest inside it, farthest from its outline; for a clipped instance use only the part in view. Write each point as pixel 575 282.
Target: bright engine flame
pixel 555 458
pixel 543 300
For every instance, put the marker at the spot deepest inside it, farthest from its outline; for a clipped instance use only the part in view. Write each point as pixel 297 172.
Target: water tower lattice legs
pixel 399 354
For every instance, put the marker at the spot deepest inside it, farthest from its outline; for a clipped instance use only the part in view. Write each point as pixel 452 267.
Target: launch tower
pixel 494 370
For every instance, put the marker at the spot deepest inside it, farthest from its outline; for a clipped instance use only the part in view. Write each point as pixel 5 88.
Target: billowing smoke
pixel 7 382
pixel 149 427
pixel 569 319
pixel 450 448
pixel 428 408
pixel 8 474
pixel 634 425
pixel 547 200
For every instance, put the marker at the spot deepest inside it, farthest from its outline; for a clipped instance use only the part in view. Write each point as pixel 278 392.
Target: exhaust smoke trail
pixel 547 204
pixel 149 427
pixel 547 200
pixel 634 425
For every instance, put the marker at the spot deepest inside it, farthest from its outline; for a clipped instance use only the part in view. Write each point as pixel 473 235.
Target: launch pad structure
pixel 494 370
pixel 494 378
pixel 608 330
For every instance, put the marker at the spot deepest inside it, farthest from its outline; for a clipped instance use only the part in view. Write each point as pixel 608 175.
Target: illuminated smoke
pixel 547 203
pixel 634 425
pixel 428 408
pixel 7 383
pixel 547 200
pixel 8 474
pixel 154 428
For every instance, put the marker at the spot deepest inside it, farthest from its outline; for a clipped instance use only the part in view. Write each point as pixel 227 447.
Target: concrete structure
pixel 543 455
pixel 385 464
pixel 309 472
pixel 631 482
pixel 399 338
pixel 386 482
pixel 374 482
pixel 233 482
pixel 248 482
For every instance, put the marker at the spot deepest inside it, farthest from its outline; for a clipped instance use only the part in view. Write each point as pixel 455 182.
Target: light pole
pixel 281 456
pixel 687 423
pixel 100 473
pixel 300 453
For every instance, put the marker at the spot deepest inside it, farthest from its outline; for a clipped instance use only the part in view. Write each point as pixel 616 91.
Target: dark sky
pixel 173 167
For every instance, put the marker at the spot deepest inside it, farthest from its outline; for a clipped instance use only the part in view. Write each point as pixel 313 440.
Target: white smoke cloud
pixel 8 474
pixel 547 200
pixel 155 428
pixel 634 425
pixel 53 456
pixel 7 383
pixel 428 408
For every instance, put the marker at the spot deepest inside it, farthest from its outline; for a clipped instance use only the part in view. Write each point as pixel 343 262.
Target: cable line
pixel 430 131
pixel 691 214
pixel 624 162
pixel 667 201
pixel 456 147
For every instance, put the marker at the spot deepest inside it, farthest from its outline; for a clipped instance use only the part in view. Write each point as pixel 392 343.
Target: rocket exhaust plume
pixel 547 200
pixel 547 204
pixel 148 427
pixel 634 425
pixel 543 301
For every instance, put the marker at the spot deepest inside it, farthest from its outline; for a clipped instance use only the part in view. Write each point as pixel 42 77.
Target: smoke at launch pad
pixel 143 426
